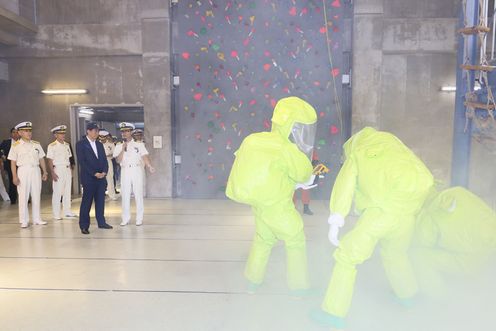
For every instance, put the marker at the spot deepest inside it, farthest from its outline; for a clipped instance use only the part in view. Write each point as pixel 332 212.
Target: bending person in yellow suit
pixel 389 185
pixel 455 234
pixel 267 167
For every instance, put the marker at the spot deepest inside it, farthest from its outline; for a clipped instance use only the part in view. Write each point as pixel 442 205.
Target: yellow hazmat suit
pixel 264 174
pixel 455 233
pixel 389 185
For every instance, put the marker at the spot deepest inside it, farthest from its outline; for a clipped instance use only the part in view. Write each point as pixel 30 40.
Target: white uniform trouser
pixel 132 181
pixel 30 184
pixel 144 179
pixel 3 192
pixel 110 179
pixel 62 189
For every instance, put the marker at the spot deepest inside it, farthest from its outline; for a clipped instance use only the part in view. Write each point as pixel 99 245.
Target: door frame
pixel 75 134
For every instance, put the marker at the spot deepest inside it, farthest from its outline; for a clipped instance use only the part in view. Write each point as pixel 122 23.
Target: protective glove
pixel 336 222
pixel 307 185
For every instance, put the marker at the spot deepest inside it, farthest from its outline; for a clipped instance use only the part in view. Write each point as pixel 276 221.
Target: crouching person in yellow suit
pixel 455 235
pixel 389 185
pixel 267 168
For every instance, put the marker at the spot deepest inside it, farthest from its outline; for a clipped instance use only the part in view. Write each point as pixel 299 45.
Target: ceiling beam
pixel 10 21
pixel 8 39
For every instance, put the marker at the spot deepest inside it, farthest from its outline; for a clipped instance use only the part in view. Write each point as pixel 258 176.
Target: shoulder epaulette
pixel 53 143
pixel 35 142
pixel 16 143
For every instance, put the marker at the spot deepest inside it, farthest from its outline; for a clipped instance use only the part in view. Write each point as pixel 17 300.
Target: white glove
pixel 335 221
pixel 307 185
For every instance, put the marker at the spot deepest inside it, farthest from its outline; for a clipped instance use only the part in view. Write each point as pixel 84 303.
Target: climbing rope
pixel 329 53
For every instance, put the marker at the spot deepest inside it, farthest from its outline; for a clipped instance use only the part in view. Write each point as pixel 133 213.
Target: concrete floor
pixel 183 270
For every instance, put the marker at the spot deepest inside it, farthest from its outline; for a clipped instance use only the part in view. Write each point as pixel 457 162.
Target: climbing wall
pixel 235 59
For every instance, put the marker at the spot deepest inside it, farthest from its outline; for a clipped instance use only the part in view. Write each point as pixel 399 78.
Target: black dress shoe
pixel 85 231
pixel 106 226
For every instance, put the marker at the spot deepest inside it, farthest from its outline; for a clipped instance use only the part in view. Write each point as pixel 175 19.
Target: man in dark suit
pixel 93 168
pixel 4 152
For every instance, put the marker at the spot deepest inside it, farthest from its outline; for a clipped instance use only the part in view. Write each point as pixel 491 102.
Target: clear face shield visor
pixel 303 135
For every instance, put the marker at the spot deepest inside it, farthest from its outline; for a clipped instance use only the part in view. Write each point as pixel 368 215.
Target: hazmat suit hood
pixel 380 171
pixel 365 138
pixel 457 220
pixel 296 119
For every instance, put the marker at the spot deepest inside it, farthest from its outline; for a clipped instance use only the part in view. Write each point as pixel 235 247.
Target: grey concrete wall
pixel 404 51
pixel 109 47
pixel 84 28
pixel 109 80
pixel 4 71
pixel 157 93
pixel 12 5
pixel 27 9
pixel 482 177
pixel 89 11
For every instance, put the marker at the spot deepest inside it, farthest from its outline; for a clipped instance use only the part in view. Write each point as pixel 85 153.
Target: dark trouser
pixel 95 190
pixel 12 187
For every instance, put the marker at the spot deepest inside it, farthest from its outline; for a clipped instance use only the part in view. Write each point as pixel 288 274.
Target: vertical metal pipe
pixel 483 50
pixel 460 160
pixel 493 31
pixel 35 10
pixel 486 23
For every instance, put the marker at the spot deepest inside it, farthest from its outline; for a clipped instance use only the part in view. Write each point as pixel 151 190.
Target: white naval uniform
pixel 131 179
pixel 59 154
pixel 143 168
pixel 3 191
pixel 27 156
pixel 109 152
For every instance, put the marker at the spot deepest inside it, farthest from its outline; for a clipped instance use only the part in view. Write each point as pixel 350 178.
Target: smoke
pixel 461 299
